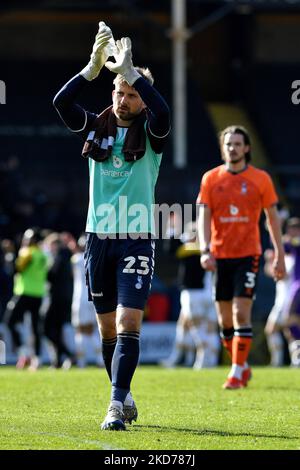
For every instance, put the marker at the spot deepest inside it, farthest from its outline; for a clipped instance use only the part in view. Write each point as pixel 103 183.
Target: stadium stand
pixel 268 99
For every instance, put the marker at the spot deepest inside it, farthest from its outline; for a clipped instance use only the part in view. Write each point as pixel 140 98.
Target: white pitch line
pixel 104 445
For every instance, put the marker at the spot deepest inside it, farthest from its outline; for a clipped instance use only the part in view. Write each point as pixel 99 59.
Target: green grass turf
pixel 179 409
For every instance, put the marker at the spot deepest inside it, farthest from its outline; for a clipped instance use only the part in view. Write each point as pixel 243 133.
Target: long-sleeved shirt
pixel 115 179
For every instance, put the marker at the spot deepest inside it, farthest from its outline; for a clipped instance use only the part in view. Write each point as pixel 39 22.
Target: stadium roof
pixel 145 4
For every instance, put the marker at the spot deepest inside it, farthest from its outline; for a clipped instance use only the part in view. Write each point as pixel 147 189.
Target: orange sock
pixel 227 343
pixel 240 349
pixel 227 337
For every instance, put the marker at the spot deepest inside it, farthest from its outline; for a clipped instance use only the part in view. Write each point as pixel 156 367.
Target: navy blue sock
pixel 124 362
pixel 108 349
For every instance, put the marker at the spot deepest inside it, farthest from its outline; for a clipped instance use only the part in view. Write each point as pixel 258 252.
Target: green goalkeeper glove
pixel 99 55
pixel 123 64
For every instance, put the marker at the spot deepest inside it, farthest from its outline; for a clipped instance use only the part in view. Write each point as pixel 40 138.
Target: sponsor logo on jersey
pixel 117 162
pixel 115 173
pixel 233 209
pixel 244 188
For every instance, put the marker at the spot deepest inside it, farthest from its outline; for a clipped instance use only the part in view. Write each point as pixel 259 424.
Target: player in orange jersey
pixel 231 198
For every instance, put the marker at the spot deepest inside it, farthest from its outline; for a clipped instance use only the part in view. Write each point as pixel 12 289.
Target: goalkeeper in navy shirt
pixel 124 147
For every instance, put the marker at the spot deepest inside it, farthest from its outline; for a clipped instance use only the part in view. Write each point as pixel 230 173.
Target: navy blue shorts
pixel 118 272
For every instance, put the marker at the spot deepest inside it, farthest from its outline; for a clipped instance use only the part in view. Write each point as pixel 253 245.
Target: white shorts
pixel 197 303
pixel 278 314
pixel 83 313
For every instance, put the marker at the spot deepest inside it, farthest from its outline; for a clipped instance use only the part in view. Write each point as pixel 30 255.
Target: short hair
pixel 32 235
pixel 143 71
pixel 293 222
pixel 52 238
pixel 236 129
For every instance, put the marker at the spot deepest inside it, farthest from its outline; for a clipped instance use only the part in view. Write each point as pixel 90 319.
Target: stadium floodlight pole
pixel 179 35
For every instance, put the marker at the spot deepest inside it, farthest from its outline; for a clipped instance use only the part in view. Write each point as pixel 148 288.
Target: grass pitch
pixel 179 409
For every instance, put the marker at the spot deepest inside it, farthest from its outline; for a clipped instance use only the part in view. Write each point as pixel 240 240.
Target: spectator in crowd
pixel 174 229
pixel 198 319
pixel 292 328
pixel 6 285
pixel 9 257
pixel 276 321
pixel 58 314
pixel 29 290
pixel 83 313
